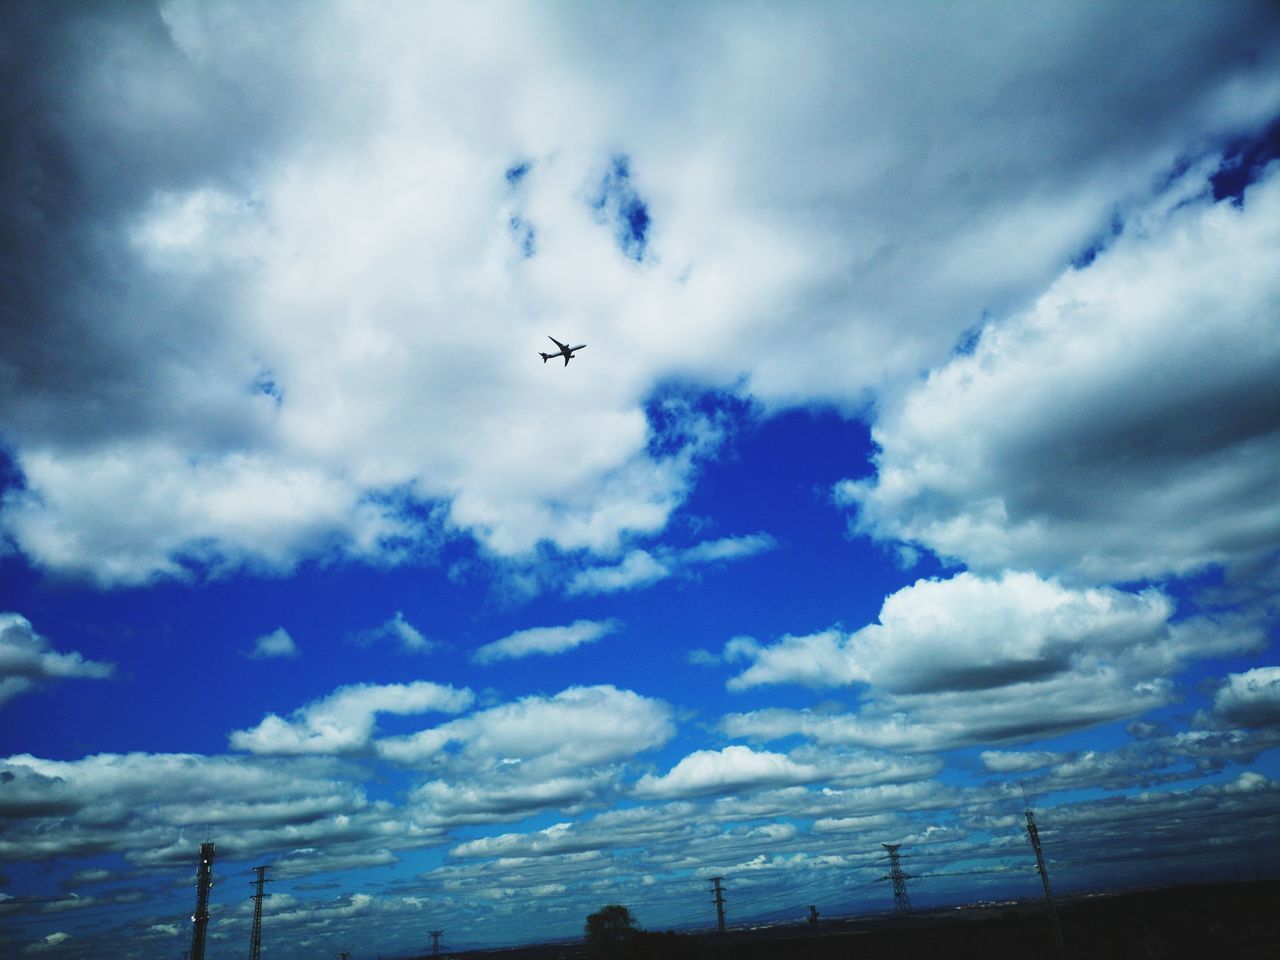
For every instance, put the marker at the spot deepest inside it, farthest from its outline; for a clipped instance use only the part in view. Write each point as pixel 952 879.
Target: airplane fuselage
pixel 565 351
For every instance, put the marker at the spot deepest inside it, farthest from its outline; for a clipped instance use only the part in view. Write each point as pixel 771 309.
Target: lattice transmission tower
pixel 719 892
pixel 255 934
pixel 901 900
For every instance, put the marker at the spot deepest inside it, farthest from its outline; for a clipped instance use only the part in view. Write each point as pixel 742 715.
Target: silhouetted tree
pixel 609 930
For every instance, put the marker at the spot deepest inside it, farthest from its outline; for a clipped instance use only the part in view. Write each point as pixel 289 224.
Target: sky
pixel 921 463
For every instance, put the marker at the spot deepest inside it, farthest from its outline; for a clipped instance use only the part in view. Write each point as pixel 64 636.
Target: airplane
pixel 565 351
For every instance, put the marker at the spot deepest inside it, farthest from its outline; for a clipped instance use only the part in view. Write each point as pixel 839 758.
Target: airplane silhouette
pixel 565 351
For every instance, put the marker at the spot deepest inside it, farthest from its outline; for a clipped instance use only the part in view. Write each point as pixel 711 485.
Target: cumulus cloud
pixel 725 771
pixel 546 641
pixel 1126 426
pixel 26 659
pixel 739 769
pixel 277 643
pixel 308 398
pixel 548 736
pixel 973 659
pixel 343 722
pixel 965 633
pixel 1249 699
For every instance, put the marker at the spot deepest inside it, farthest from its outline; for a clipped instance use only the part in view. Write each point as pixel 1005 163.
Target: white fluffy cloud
pixel 967 632
pixel 26 660
pixel 343 722
pixel 1250 699
pixel 548 736
pixel 544 640
pixel 335 296
pixel 739 770
pixel 726 771
pixel 1126 426
pixel 974 659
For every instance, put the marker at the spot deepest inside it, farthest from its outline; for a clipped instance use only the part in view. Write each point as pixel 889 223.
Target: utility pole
pixel 813 913
pixel 255 935
pixel 1034 834
pixel 200 919
pixel 901 901
pixel 719 902
pixel 435 942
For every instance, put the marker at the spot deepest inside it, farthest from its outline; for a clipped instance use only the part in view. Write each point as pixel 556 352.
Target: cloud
pixel 26 660
pixel 154 808
pixel 397 630
pixel 1018 761
pixel 547 736
pixel 729 548
pixel 1126 426
pixel 278 643
pixel 725 771
pixel 1249 699
pixel 965 633
pixel 546 641
pixel 534 754
pixel 973 659
pixel 308 398
pixel 638 569
pixel 643 568
pixel 739 769
pixel 343 722
pixel 52 941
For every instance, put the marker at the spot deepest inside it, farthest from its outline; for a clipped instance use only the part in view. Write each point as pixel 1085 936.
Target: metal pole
pixel 200 919
pixel 1034 834
pixel 255 935
pixel 719 903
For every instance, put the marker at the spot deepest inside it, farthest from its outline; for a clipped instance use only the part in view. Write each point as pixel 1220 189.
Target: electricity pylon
pixel 255 935
pixel 901 901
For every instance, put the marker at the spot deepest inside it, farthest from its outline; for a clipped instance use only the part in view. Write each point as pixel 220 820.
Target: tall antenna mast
pixel 1034 834
pixel 200 919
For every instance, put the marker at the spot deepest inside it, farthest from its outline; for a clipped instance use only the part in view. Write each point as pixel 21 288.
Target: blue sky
pixel 923 451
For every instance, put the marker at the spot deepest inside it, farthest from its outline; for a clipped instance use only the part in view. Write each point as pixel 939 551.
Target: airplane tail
pixel 545 356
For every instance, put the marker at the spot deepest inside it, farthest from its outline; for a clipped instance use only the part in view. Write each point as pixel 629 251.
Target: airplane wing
pixel 566 358
pixel 556 342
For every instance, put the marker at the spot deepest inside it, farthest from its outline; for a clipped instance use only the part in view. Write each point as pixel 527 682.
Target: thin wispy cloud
pixel 543 641
pixel 274 645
